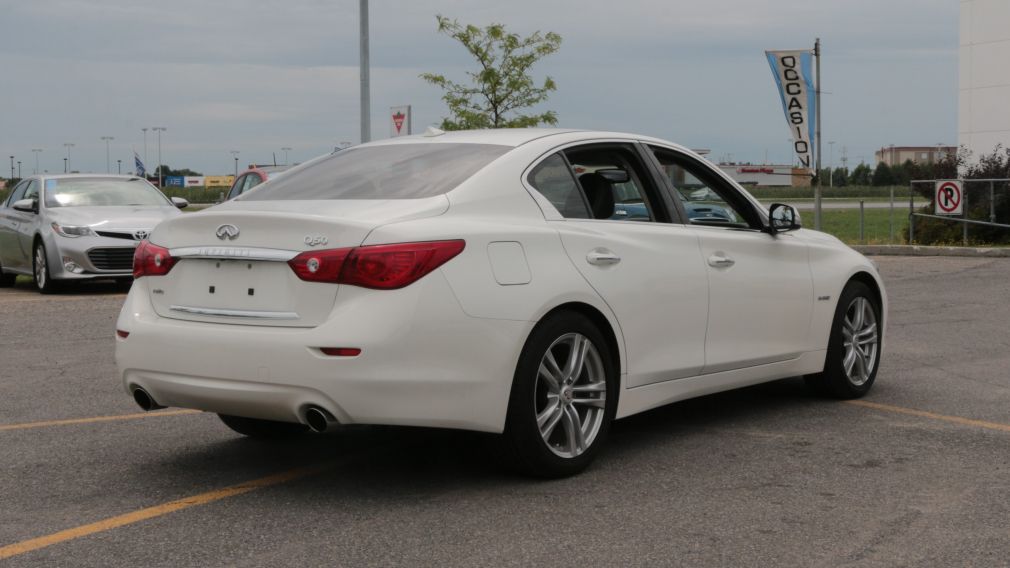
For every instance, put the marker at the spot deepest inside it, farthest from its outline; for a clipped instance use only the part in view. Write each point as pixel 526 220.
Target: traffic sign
pixel 949 197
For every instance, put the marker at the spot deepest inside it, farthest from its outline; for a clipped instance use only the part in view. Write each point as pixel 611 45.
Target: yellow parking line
pixel 43 424
pixel 155 511
pixel 933 415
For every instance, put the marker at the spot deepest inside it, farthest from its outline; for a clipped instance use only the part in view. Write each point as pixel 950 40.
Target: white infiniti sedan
pixel 481 280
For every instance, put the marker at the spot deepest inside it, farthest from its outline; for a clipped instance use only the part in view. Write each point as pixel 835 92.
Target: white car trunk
pixel 246 280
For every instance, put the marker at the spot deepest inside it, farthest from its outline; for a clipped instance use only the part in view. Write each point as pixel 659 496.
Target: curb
pixel 916 250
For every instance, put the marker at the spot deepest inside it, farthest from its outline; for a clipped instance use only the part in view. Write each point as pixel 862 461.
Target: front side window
pixel 102 192
pixel 706 199
pixel 393 171
pixel 33 190
pixel 18 193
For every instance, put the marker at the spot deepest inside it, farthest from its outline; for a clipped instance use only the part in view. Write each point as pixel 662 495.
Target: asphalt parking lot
pixel 917 474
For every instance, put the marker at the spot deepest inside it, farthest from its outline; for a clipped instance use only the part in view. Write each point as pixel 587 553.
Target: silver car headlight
pixel 73 232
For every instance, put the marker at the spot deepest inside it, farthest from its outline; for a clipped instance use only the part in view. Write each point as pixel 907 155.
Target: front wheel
pixel 43 281
pixel 564 396
pixel 854 346
pixel 257 428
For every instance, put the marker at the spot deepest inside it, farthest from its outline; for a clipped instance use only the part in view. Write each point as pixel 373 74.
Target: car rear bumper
pixel 423 361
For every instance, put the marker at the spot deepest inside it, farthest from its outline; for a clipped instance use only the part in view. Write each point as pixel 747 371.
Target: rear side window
pixel 396 171
pixel 553 179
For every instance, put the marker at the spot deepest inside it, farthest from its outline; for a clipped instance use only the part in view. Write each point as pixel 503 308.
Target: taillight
pixel 383 267
pixel 151 260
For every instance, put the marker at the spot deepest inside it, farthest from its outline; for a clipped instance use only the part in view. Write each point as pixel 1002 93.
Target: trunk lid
pixel 242 277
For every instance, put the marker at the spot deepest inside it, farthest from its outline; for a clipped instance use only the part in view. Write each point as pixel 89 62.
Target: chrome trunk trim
pixel 237 253
pixel 225 313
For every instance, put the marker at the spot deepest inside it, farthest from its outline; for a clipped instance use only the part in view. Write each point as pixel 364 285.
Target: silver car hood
pixel 106 217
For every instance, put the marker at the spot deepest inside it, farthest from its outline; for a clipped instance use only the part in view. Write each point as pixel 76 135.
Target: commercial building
pixel 767 175
pixel 893 155
pixel 984 75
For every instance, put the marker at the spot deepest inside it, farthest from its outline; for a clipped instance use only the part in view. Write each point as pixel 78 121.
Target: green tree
pixel 861 175
pixel 883 175
pixel 502 86
pixel 841 177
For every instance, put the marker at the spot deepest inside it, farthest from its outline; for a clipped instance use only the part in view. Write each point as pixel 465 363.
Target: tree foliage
pixel 861 175
pixel 502 86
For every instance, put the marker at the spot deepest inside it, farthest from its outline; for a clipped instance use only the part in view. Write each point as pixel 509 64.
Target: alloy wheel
pixel 40 267
pixel 860 334
pixel 570 395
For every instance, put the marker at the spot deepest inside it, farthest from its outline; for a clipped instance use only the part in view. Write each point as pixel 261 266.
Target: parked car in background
pixel 253 177
pixel 67 227
pixel 476 280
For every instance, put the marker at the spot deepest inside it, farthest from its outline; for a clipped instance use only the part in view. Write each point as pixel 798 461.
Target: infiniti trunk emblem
pixel 229 232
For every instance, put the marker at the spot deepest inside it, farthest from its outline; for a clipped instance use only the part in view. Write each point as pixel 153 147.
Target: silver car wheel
pixel 859 338
pixel 570 392
pixel 40 267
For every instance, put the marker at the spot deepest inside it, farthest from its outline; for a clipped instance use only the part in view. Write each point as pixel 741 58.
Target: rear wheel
pixel 854 347
pixel 256 428
pixel 564 396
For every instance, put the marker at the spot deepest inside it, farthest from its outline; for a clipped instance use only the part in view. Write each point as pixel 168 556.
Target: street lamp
pixel 64 165
pixel 119 167
pixel 235 154
pixel 67 167
pixel 159 130
pixel 12 167
pixel 108 167
pixel 19 169
pixel 831 163
pixel 145 148
pixel 37 151
pixel 286 150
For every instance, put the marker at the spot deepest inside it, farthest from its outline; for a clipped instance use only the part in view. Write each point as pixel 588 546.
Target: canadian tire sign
pixel 399 121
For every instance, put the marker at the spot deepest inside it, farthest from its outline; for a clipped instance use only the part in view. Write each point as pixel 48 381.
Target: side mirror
pixel 782 218
pixel 26 205
pixel 180 202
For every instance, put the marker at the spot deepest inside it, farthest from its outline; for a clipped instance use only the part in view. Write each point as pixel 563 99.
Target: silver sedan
pixel 79 226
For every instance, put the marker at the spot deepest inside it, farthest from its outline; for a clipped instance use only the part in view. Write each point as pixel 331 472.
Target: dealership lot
pixel 917 473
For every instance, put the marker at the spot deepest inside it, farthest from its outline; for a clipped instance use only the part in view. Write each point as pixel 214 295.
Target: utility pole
pixel 37 151
pixel 145 148
pixel 366 107
pixel 286 150
pixel 159 130
pixel 235 154
pixel 817 96
pixel 108 167
pixel 69 146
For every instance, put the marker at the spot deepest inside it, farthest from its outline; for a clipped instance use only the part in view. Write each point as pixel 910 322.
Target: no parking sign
pixel 949 197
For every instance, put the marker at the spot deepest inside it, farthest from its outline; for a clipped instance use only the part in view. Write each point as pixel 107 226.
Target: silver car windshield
pixel 100 192
pixel 396 171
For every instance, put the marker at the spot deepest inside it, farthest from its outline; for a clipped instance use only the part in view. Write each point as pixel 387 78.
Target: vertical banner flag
pixel 400 117
pixel 794 76
pixel 141 171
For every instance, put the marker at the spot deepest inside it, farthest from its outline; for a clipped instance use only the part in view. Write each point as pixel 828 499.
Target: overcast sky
pixel 256 76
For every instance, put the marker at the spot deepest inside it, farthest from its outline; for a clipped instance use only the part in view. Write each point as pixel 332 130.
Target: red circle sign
pixel 948 196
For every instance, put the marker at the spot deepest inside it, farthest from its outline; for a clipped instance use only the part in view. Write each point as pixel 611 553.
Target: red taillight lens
pixel 341 351
pixel 319 265
pixel 151 260
pixel 383 267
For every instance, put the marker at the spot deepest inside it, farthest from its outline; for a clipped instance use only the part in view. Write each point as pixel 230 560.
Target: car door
pixel 10 219
pixel 28 226
pixel 647 269
pixel 760 285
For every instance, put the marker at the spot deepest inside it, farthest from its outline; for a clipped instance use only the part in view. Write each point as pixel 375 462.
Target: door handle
pixel 720 260
pixel 602 257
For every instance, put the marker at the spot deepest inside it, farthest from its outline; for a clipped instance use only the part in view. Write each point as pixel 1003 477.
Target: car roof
pixel 83 176
pixel 514 137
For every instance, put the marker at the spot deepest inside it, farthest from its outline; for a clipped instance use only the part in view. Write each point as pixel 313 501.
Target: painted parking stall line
pixel 94 419
pixel 932 415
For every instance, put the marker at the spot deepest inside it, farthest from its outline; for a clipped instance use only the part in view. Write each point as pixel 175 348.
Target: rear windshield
pixel 397 171
pixel 92 192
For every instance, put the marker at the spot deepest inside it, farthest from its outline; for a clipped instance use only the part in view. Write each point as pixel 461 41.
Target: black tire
pixel 523 447
pixel 256 428
pixel 44 282
pixel 834 381
pixel 7 280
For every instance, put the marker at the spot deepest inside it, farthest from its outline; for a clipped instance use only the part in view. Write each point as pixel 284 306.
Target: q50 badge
pixel 315 240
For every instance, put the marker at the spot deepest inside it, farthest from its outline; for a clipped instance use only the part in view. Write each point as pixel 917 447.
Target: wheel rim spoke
pixel 548 420
pixel 573 430
pixel 551 379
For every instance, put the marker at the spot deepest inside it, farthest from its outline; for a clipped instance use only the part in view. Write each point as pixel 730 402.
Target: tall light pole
pixel 12 167
pixel 69 146
pixel 108 167
pixel 235 154
pixel 145 148
pixel 831 163
pixel 366 106
pixel 119 167
pixel 159 130
pixel 37 151
pixel 64 165
pixel 19 168
pixel 286 150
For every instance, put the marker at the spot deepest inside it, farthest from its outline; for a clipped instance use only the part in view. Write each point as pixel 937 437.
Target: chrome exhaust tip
pixel 144 400
pixel 319 420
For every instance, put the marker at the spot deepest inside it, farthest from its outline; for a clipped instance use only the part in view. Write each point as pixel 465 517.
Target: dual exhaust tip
pixel 317 419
